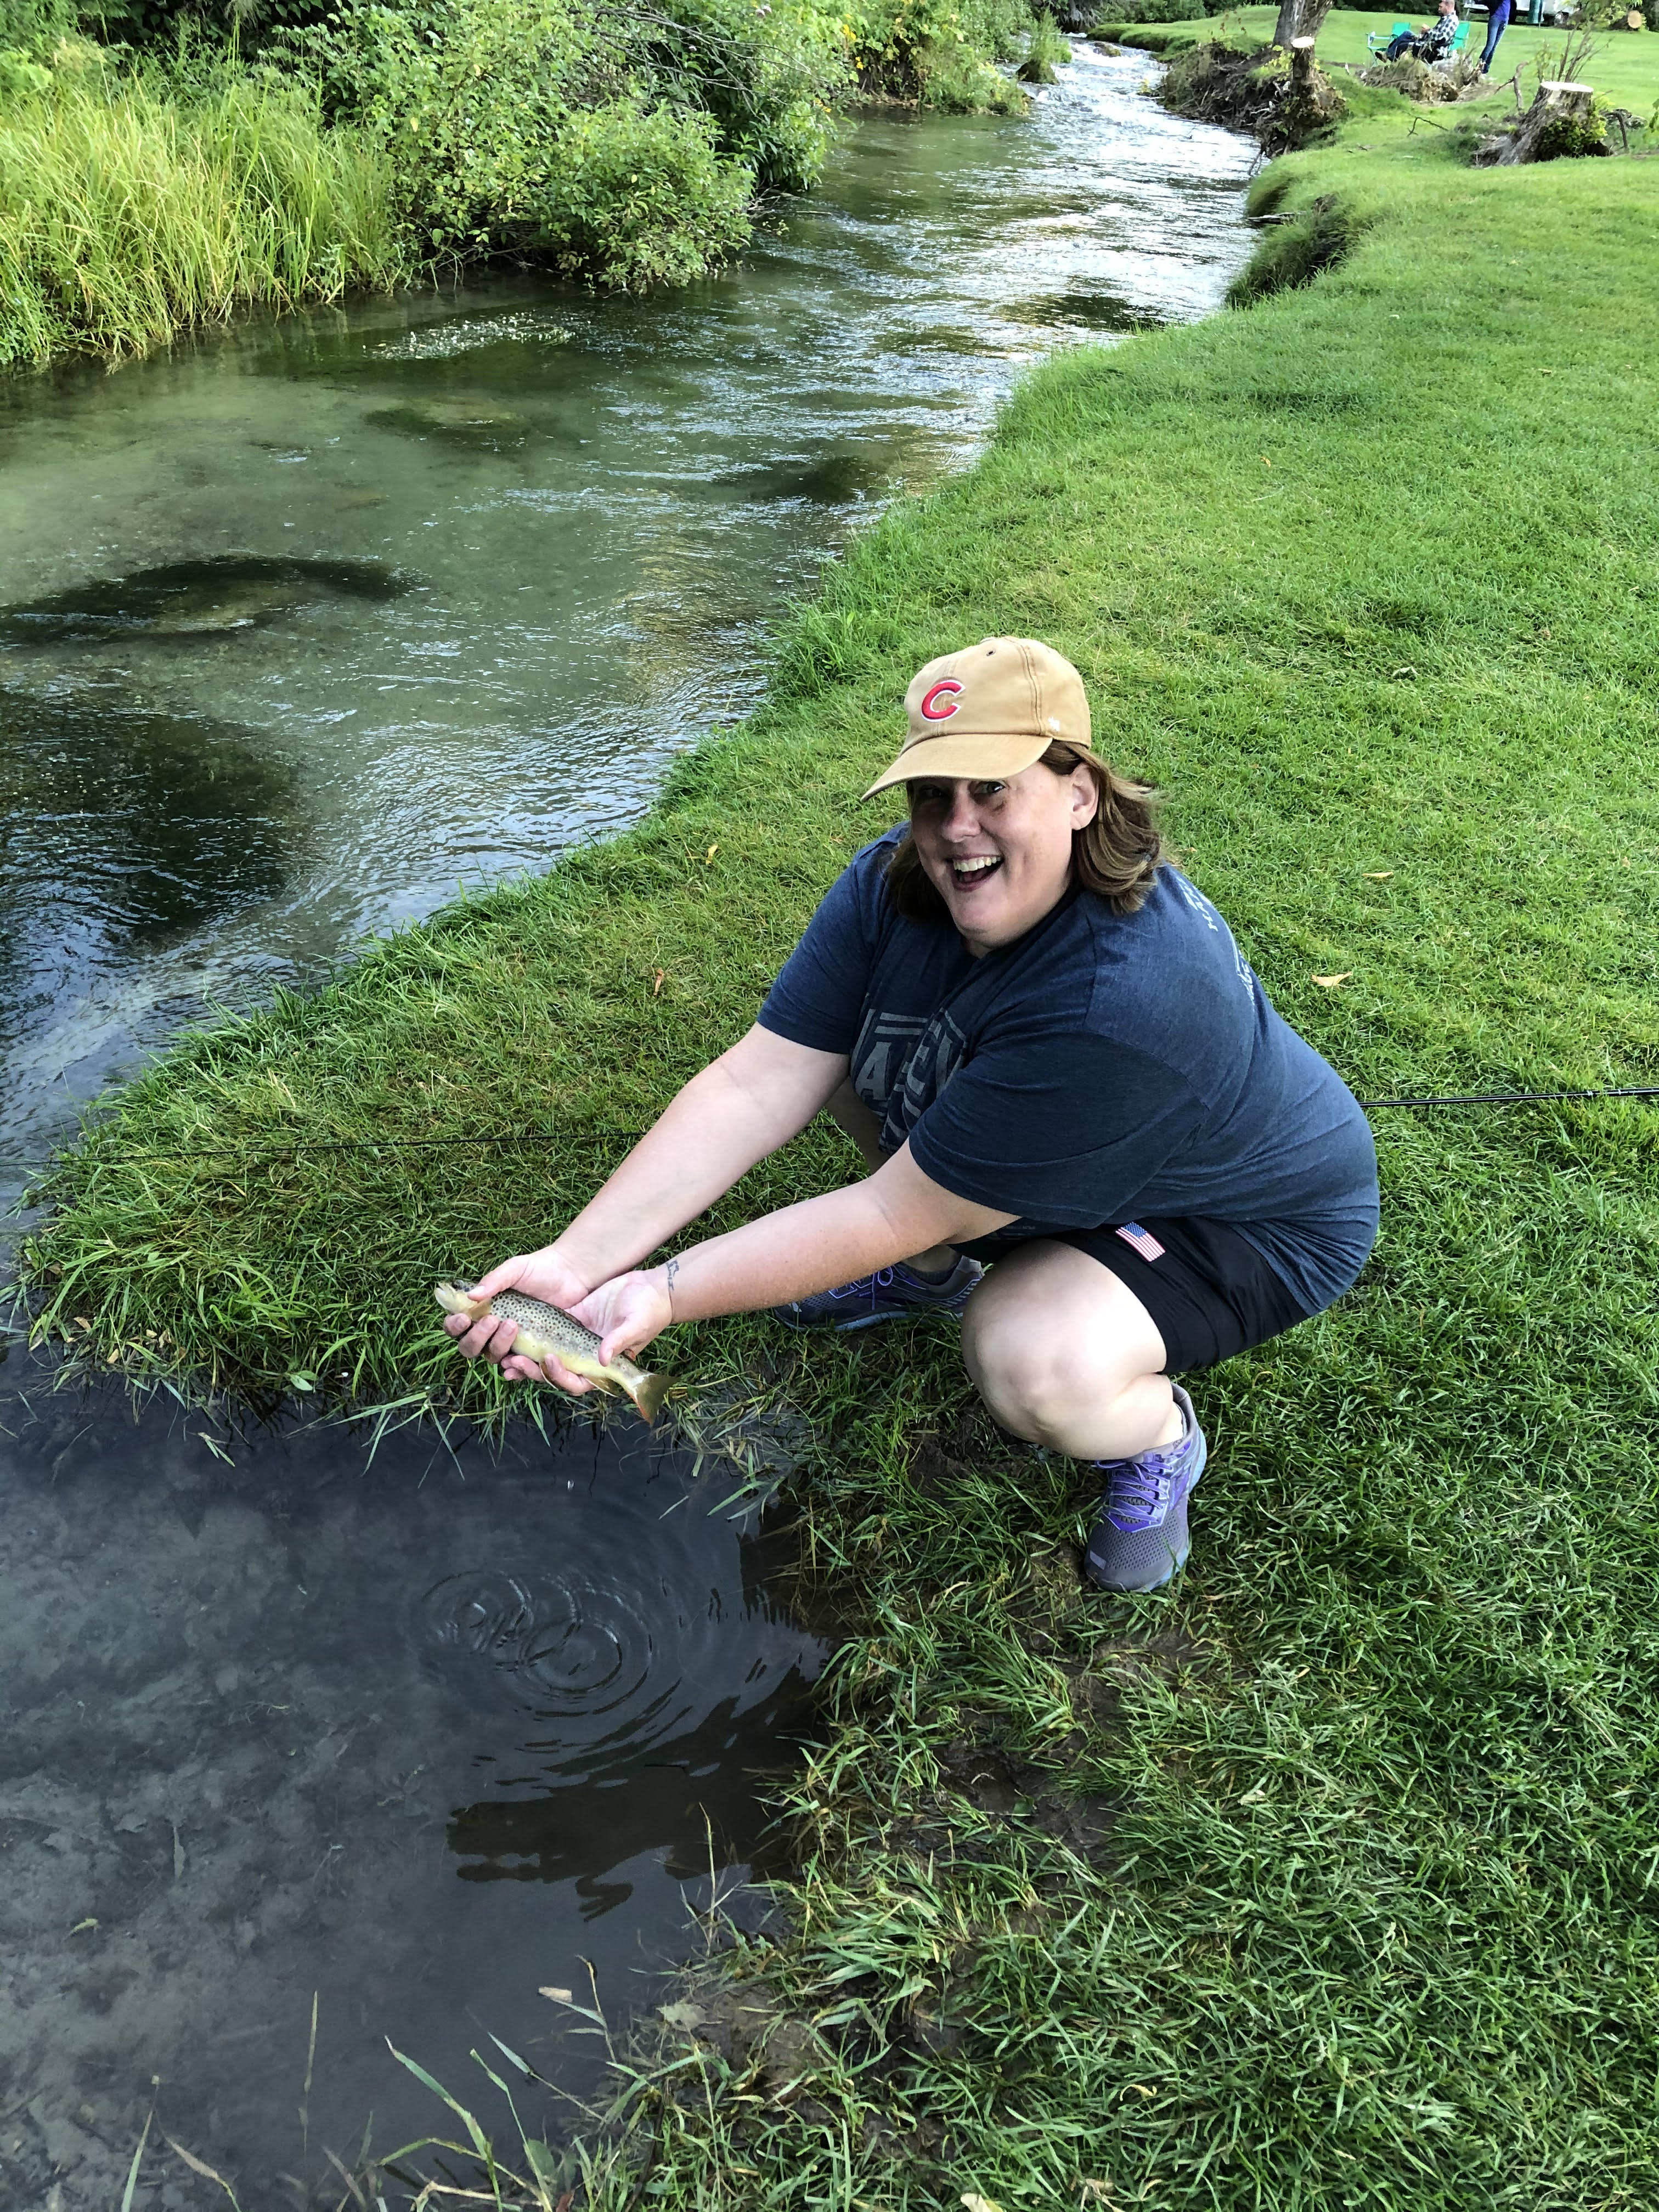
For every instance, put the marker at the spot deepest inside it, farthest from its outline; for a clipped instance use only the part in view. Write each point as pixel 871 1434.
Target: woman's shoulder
pixel 1175 944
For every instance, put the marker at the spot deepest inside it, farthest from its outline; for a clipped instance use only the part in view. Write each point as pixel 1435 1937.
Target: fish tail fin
pixel 648 1394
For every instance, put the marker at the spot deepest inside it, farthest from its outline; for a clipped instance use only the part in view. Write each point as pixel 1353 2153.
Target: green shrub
pixel 33 27
pixel 1568 137
pixel 20 76
pixel 639 196
pixel 768 75
pixel 942 53
pixel 29 29
pixel 626 148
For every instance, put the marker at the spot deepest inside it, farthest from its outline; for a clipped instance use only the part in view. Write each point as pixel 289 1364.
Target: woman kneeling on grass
pixel 1056 1060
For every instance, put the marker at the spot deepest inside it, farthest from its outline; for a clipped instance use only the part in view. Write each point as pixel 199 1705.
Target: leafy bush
pixel 627 147
pixel 767 74
pixel 1568 137
pixel 33 26
pixel 638 196
pixel 942 53
pixel 29 29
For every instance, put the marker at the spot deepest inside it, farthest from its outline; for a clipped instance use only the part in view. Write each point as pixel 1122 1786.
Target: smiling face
pixel 999 854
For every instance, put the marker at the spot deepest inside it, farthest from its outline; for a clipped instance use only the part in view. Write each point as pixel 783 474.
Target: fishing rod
pixel 563 1136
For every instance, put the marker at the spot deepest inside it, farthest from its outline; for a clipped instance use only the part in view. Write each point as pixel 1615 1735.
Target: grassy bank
pixel 1325 1881
pixel 1624 67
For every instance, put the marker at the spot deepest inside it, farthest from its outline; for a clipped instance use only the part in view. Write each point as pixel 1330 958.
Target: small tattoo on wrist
pixel 673 1270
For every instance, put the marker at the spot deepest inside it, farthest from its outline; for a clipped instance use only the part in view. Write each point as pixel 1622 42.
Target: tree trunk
pixel 1299 19
pixel 1302 67
pixel 1558 102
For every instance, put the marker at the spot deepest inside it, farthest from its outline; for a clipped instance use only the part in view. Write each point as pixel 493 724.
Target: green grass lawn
pixel 1327 1879
pixel 1624 66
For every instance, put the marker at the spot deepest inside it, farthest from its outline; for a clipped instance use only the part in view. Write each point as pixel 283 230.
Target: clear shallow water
pixel 300 629
pixel 588 510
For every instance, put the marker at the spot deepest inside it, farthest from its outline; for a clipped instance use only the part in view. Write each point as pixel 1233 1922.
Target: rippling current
pixel 300 628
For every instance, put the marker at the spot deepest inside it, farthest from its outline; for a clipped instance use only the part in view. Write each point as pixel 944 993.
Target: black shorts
pixel 1208 1289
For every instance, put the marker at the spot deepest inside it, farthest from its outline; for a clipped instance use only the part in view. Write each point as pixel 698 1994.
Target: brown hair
pixel 1117 855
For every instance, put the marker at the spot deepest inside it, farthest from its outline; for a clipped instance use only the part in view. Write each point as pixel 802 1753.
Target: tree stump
pixel 1561 111
pixel 1302 67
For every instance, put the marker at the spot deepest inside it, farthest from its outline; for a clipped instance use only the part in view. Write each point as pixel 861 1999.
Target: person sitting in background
pixel 1433 42
pixel 1496 24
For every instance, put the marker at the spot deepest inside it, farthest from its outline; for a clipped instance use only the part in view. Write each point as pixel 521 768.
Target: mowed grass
pixel 1326 1880
pixel 1622 65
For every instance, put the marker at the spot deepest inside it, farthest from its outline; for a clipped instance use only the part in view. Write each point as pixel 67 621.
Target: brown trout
pixel 546 1331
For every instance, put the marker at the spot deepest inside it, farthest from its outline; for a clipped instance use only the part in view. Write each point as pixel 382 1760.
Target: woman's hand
pixel 541 1275
pixel 626 1312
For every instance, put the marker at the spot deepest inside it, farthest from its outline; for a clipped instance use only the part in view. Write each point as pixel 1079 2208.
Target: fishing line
pixel 632 1136
pixel 1511 1098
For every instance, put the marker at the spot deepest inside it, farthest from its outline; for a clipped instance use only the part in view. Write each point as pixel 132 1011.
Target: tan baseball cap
pixel 989 711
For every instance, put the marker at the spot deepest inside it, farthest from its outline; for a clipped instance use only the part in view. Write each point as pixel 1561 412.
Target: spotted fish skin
pixel 548 1332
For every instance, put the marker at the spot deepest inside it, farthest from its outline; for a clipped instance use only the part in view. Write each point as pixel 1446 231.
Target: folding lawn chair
pixel 1375 40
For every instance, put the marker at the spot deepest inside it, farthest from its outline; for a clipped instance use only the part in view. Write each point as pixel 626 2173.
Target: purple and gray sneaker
pixel 1139 1540
pixel 890 1294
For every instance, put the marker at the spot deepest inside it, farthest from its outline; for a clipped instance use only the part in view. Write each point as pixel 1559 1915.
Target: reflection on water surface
pixel 264 1702
pixel 124 832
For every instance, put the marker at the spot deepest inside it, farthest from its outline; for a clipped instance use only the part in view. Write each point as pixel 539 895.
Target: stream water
pixel 301 628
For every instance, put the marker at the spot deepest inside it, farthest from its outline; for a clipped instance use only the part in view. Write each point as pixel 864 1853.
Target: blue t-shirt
pixel 1103 1067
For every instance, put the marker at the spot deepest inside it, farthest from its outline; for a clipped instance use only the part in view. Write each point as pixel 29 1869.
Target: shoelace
pixel 1139 1491
pixel 866 1286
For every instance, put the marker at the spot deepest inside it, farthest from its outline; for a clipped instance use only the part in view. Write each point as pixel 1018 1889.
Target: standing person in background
pixel 1496 24
pixel 1054 1057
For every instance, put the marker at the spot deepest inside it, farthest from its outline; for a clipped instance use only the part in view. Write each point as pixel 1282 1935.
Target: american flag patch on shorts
pixel 1144 1242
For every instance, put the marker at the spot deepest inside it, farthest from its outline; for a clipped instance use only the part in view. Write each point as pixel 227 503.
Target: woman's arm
pixel 784 1255
pixel 742 1106
pixel 819 1242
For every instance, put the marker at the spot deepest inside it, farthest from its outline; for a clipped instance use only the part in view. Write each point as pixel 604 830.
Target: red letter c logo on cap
pixel 945 706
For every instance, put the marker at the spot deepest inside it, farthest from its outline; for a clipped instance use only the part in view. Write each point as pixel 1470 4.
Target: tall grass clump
pixel 133 203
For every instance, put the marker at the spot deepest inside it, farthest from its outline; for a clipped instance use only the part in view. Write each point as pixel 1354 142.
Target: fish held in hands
pixel 548 1332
